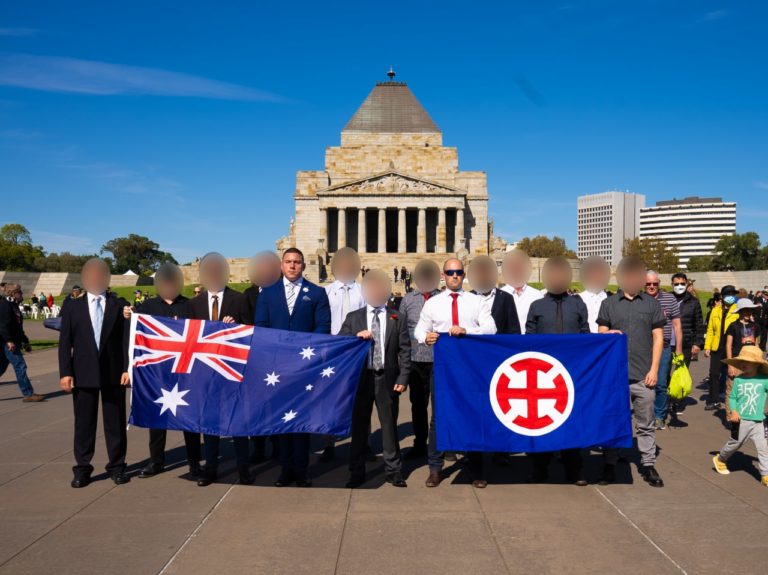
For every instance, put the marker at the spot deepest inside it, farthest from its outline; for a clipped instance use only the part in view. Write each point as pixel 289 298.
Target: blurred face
pixel 557 277
pixel 631 281
pixel 595 276
pixel 516 268
pixel 292 266
pixel 652 284
pixel 345 265
pixel 169 288
pixel 376 288
pixel 94 276
pixel 427 278
pixel 264 269
pixel 453 274
pixel 482 274
pixel 214 272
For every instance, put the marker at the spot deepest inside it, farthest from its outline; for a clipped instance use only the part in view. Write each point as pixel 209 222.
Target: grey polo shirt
pixel 637 318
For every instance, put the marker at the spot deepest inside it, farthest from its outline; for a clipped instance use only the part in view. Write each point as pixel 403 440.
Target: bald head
pixel 377 288
pixel 516 268
pixel 95 276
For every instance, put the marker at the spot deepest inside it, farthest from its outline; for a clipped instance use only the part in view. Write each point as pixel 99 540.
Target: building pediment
pixel 390 183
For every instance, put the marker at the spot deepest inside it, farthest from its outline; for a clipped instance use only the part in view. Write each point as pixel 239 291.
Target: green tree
pixel 740 252
pixel 545 247
pixel 16 250
pixel 136 253
pixel 657 254
pixel 700 263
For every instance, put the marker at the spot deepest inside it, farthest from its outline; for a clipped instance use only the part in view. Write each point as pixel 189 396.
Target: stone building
pixel 391 190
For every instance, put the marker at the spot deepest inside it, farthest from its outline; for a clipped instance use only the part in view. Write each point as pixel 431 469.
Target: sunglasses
pixel 454 272
pixel 651 284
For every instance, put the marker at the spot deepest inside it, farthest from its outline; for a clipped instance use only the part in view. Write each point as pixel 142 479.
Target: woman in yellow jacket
pixel 714 344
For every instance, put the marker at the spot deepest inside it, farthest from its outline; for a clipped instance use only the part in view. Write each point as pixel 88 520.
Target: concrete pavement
pixel 700 522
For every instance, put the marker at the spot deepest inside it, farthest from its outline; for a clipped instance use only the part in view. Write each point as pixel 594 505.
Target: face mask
pixel 679 290
pixel 730 299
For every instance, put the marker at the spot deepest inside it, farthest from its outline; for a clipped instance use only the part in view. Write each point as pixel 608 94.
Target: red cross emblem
pixel 532 393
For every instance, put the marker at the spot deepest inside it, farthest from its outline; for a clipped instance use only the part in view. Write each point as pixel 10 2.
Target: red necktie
pixel 455 309
pixel 426 295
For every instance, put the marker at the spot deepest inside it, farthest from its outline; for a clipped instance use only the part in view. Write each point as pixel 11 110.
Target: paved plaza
pixel 700 522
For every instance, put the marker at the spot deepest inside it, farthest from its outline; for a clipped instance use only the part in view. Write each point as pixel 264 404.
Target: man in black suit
pixel 217 302
pixel 383 379
pixel 93 362
pixel 169 303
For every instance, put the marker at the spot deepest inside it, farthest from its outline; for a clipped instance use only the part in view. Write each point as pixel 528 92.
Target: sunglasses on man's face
pixel 651 284
pixel 454 272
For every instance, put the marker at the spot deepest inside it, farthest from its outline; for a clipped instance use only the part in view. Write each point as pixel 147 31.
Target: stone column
pixel 362 231
pixel 382 231
pixel 421 232
pixel 401 246
pixel 325 236
pixel 441 235
pixel 342 239
pixel 460 242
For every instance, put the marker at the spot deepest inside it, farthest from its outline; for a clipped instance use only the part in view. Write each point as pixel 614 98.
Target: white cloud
pixel 60 74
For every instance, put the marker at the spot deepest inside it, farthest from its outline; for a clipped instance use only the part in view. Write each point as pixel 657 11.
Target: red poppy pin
pixel 393 316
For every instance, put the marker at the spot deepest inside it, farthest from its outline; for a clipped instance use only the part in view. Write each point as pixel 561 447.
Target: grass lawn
pixel 43 343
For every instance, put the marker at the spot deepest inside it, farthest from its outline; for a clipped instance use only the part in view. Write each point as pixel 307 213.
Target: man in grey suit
pixel 383 379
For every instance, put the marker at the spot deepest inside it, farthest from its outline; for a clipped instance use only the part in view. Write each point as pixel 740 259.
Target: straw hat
pixel 749 354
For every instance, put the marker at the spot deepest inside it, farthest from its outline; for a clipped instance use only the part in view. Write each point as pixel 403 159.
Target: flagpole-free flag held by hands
pixel 238 380
pixel 531 393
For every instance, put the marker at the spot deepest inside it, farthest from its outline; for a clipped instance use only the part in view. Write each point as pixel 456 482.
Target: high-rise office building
pixel 605 222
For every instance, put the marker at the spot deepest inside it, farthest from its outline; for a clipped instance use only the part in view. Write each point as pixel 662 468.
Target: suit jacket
pixel 251 294
pixel 311 311
pixel 504 313
pixel 233 303
pixel 397 343
pixel 79 357
pixel 11 324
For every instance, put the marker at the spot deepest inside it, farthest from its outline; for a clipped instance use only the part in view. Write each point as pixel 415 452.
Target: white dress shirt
pixel 593 302
pixel 335 293
pixel 524 297
pixel 383 329
pixel 437 315
pixel 220 295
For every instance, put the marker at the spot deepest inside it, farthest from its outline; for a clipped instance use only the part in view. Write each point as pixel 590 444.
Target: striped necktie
pixel 97 320
pixel 290 298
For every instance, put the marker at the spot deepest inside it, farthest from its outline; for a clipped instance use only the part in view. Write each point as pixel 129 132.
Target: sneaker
pixel 660 425
pixel 710 406
pixel 720 465
pixel 764 481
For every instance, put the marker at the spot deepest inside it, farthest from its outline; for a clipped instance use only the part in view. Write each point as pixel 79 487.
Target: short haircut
pixel 680 276
pixel 294 251
pixel 629 264
pixel 557 262
pixel 169 272
pixel 11 288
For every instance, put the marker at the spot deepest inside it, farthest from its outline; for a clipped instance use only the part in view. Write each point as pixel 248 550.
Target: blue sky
pixel 186 122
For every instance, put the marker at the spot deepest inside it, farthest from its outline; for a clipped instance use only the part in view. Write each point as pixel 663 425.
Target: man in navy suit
pixel 294 304
pixel 93 366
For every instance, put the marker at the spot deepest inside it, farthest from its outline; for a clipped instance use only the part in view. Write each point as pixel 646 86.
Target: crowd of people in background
pixel 659 325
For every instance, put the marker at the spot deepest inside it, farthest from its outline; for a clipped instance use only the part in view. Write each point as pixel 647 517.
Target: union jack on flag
pixel 221 347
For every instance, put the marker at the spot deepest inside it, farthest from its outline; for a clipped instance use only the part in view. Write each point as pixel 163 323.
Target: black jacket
pixel 397 343
pixel 692 320
pixel 251 294
pixel 11 324
pixel 504 313
pixel 79 357
pixel 233 304
pixel 561 313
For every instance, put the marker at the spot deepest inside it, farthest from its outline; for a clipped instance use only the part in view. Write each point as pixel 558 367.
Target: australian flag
pixel 239 380
pixel 531 393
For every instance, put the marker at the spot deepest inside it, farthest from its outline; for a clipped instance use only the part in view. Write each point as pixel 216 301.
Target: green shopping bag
pixel 680 384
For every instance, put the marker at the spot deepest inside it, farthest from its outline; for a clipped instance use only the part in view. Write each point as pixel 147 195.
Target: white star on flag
pixel 327 372
pixel 289 416
pixel 171 399
pixel 310 387
pixel 307 352
pixel 272 379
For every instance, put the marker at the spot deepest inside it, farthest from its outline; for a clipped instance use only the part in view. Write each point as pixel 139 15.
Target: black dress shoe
pixel 355 482
pixel 396 480
pixel 609 475
pixel 206 478
pixel 150 470
pixel 120 478
pixel 328 454
pixel 79 482
pixel 652 477
pixel 303 483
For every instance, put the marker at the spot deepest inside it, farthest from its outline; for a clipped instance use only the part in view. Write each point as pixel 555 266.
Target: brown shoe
pixel 480 483
pixel 34 398
pixel 434 479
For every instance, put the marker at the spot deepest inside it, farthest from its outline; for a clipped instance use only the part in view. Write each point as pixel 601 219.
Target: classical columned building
pixel 391 190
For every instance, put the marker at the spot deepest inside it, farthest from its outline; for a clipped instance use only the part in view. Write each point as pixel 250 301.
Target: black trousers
pixel 86 404
pixel 716 371
pixel 294 456
pixel 211 445
pixel 419 383
pixel 157 439
pixel 374 389
pixel 572 462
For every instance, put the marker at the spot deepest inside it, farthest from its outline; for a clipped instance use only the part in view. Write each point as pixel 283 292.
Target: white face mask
pixel 679 290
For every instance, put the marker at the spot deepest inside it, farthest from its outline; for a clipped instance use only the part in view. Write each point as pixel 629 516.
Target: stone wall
pixel 55 283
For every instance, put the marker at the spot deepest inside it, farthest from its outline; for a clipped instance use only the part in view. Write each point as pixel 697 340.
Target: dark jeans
pixel 86 404
pixel 16 359
pixel 419 385
pixel 294 455
pixel 212 452
pixel 717 372
pixel 157 438
pixel 374 389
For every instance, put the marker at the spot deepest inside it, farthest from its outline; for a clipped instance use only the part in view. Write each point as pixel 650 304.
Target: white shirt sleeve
pixel 485 323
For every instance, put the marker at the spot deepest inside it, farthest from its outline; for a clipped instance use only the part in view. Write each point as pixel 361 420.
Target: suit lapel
pixel 86 313
pixel 110 315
